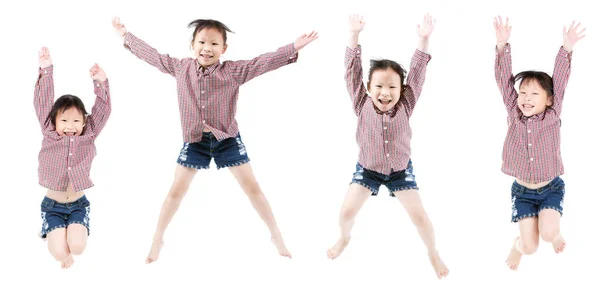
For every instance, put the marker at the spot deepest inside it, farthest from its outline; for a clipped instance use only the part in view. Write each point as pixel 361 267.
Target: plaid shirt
pixel 532 145
pixel 384 138
pixel 67 159
pixel 208 97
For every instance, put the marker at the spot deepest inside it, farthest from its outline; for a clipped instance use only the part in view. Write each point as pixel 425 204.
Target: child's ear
pixel 369 86
pixel 550 101
pixel 224 49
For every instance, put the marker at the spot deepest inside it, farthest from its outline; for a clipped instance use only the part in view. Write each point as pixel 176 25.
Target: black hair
pixel 544 80
pixel 384 64
pixel 208 23
pixel 63 103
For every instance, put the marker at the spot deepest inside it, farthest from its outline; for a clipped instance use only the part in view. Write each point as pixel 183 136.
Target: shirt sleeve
pixel 101 109
pixel 145 52
pixel 560 77
pixel 354 78
pixel 506 80
pixel 43 97
pixel 245 70
pixel 415 79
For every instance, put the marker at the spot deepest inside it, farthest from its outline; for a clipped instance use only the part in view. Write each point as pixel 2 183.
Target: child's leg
pixel 245 177
pixel 411 201
pixel 180 186
pixel 57 245
pixel 356 196
pixel 77 236
pixel 527 243
pixel 549 226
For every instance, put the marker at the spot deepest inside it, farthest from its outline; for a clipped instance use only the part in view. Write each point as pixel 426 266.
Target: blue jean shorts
pixel 229 152
pixel 61 215
pixel 528 203
pixel 396 181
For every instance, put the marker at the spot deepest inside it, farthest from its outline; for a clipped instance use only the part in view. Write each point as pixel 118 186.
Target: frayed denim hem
pixel 529 215
pixel 373 192
pixel 551 207
pixel 404 188
pixel 44 233
pixel 239 163
pixel 192 166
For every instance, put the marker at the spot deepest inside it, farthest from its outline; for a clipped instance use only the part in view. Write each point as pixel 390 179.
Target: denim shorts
pixel 61 215
pixel 528 203
pixel 229 152
pixel 396 181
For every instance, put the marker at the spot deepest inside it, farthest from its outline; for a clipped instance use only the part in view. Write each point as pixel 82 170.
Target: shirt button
pixel 202 106
pixel 384 128
pixel 203 121
pixel 528 131
pixel 387 155
pixel 71 140
pixel 97 85
pixel 531 159
pixel 45 71
pixel 70 154
pixel 202 92
pixel 386 142
pixel 69 168
pixel 529 145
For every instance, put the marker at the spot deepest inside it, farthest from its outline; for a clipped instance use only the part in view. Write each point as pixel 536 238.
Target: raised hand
pixel 356 24
pixel 44 58
pixel 502 31
pixel 305 39
pixel 97 73
pixel 119 27
pixel 426 28
pixel 572 36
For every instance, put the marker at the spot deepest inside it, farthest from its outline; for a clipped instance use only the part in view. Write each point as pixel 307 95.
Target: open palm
pixel 502 30
pixel 426 28
pixel 44 58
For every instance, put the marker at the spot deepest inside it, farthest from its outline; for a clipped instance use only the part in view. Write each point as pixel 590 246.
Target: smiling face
pixel 70 122
pixel 533 98
pixel 208 45
pixel 385 88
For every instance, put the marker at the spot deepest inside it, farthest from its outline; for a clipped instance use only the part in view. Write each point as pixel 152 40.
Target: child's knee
pixel 59 252
pixel 76 247
pixel 548 235
pixel 529 247
pixel 420 219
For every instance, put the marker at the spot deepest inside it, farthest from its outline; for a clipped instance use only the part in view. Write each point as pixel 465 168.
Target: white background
pixel 298 126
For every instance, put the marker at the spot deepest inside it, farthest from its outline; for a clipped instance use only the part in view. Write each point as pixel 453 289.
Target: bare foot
pixel 68 262
pixel 338 248
pixel 154 251
pixel 278 241
pixel 514 258
pixel 559 244
pixel 438 265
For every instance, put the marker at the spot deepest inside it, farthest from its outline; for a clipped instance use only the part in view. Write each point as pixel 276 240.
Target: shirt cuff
pixel 46 71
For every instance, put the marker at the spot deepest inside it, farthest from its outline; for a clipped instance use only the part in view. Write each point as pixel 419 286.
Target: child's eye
pixel 201 42
pixel 378 86
pixel 215 44
pixel 535 93
pixel 76 121
pixel 392 87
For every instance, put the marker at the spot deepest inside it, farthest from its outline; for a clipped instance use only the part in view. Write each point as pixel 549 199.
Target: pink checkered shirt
pixel 208 97
pixel 65 159
pixel 532 145
pixel 384 138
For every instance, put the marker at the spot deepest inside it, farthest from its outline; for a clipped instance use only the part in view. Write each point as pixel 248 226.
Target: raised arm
pixel 145 52
pixel 102 108
pixel 503 68
pixel 562 64
pixel 43 96
pixel 246 70
pixel 353 63
pixel 418 64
